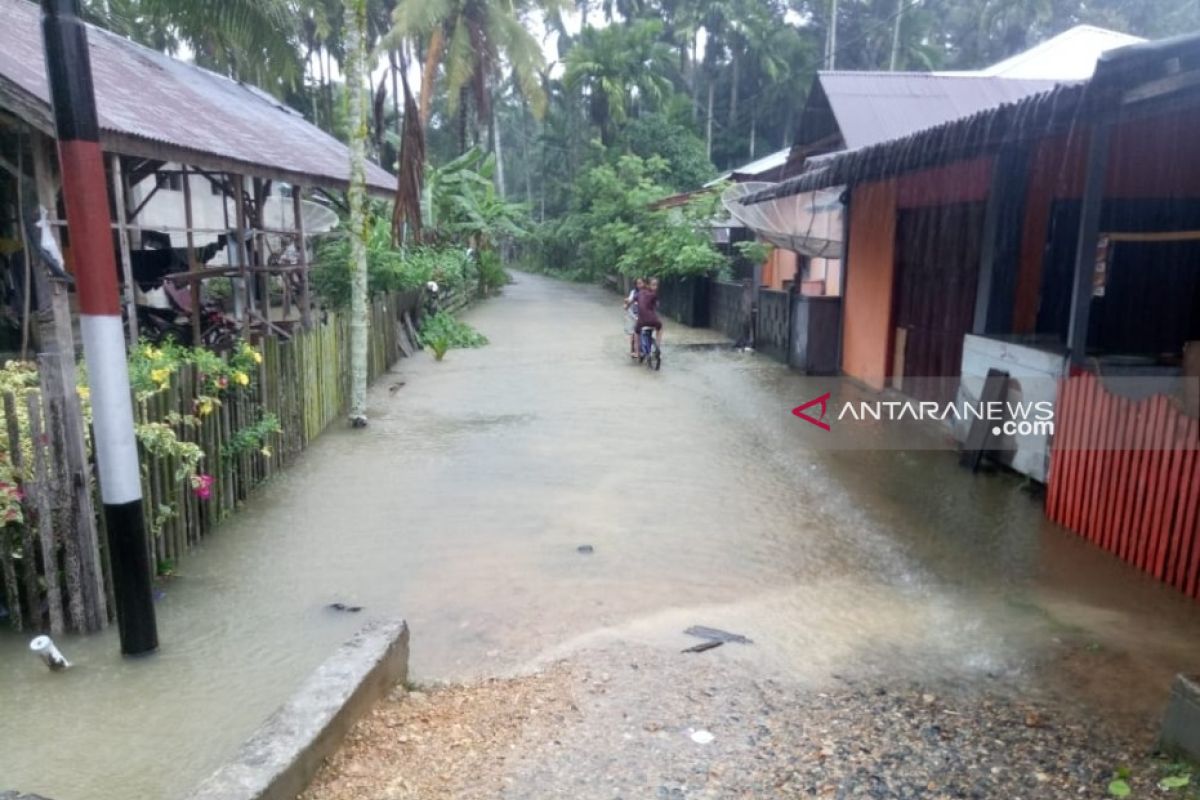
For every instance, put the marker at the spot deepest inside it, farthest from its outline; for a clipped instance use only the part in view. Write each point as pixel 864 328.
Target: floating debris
pixel 700 648
pixel 586 549
pixel 702 737
pixel 344 607
pixel 717 635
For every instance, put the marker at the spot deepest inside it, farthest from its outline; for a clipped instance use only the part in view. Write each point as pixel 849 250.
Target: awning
pixel 809 223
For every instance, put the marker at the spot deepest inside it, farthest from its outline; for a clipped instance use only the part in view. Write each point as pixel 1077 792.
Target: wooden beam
pixel 58 347
pixel 1089 237
pixel 118 183
pixel 239 201
pixel 130 216
pixel 302 252
pixel 191 255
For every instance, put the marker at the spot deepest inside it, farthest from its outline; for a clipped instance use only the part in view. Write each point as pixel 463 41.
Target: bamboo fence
pixel 303 381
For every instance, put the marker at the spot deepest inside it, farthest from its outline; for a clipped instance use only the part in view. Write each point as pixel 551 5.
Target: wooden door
pixel 937 270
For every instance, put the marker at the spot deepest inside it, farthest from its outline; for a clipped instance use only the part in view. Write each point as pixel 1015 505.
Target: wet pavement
pixel 463 507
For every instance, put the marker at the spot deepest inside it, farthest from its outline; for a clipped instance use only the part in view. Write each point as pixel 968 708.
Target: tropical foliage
pixel 614 226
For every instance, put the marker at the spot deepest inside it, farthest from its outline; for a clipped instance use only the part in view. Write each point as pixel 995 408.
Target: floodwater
pixel 462 506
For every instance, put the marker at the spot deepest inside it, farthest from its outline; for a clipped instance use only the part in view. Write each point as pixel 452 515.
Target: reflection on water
pixel 462 506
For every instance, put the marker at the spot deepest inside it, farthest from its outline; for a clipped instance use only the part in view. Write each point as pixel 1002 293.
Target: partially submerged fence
pixel 1126 475
pixel 729 309
pixel 303 382
pixel 772 324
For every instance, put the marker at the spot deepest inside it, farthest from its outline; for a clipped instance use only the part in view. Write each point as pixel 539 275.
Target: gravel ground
pixel 603 725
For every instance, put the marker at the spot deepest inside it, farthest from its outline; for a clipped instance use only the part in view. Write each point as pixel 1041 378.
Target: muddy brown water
pixel 462 507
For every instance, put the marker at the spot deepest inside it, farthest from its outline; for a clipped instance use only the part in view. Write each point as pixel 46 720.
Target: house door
pixel 937 269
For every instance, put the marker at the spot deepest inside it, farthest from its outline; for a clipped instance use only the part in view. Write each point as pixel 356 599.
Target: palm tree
pixel 252 40
pixel 622 69
pixel 470 39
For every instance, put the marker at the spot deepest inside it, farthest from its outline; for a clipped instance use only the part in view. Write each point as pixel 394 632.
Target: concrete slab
pixel 279 760
pixel 1181 725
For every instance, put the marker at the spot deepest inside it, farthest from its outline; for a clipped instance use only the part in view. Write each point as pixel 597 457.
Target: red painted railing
pixel 1126 475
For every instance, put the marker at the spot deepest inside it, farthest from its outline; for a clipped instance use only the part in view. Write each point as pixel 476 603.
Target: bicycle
pixel 649 354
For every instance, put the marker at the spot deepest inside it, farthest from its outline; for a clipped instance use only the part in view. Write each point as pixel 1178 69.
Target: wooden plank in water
pixel 40 492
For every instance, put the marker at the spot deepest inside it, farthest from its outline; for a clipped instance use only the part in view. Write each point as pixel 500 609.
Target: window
pixel 172 181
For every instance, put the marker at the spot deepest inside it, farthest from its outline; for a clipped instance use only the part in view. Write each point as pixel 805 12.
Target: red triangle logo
pixel 819 421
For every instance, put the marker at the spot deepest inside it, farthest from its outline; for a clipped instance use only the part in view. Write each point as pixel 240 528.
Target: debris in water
pixel 395 387
pixel 586 549
pixel 702 737
pixel 44 648
pixel 704 632
pixel 700 648
pixel 344 607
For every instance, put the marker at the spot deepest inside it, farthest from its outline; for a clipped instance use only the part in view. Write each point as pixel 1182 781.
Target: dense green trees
pixel 563 95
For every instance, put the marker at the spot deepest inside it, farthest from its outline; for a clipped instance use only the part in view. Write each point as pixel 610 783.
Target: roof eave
pixel 36 113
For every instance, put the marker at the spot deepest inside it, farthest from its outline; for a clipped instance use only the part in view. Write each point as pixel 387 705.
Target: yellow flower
pixel 241 378
pixel 204 405
pixel 84 393
pixel 153 353
pixel 266 451
pixel 257 356
pixel 160 376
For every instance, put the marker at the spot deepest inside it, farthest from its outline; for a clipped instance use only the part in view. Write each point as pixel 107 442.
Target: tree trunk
pixel 329 89
pixel 831 58
pixel 525 153
pixel 497 146
pixel 695 78
pixel 733 90
pixel 708 126
pixel 896 36
pixel 429 74
pixel 356 56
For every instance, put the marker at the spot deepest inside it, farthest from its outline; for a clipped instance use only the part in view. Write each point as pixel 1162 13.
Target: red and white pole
pixel 69 70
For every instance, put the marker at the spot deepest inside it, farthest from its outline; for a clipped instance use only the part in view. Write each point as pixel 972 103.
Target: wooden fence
pixel 304 382
pixel 1126 475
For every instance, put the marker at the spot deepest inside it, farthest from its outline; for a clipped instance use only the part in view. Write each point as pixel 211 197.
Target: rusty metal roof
pixel 976 134
pixel 1126 75
pixel 873 107
pixel 155 106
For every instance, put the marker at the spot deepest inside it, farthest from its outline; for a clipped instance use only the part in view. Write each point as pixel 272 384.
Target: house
pixel 1054 239
pixel 158 117
pixel 852 110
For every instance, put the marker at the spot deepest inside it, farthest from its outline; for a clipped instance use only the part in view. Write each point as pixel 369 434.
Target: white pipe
pixel 44 647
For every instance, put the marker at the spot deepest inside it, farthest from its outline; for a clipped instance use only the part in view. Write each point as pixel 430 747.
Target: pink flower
pixel 202 486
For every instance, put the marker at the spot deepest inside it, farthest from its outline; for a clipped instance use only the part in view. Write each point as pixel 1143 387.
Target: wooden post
pixel 58 339
pixel 262 278
pixel 239 199
pixel 1089 236
pixel 191 248
pixel 302 253
pixel 122 208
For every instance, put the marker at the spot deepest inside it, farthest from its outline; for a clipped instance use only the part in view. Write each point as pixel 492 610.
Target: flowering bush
pixel 202 485
pixel 151 367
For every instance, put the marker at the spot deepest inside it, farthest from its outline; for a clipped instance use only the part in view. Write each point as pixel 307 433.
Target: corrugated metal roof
pixel 767 162
pixel 1117 72
pixel 1071 55
pixel 974 135
pixel 873 107
pixel 156 106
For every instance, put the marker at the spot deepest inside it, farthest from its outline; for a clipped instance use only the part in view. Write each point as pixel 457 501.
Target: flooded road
pixel 462 506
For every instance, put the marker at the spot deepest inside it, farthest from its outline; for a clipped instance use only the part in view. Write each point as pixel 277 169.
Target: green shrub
pixel 388 269
pixel 442 332
pixel 492 274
